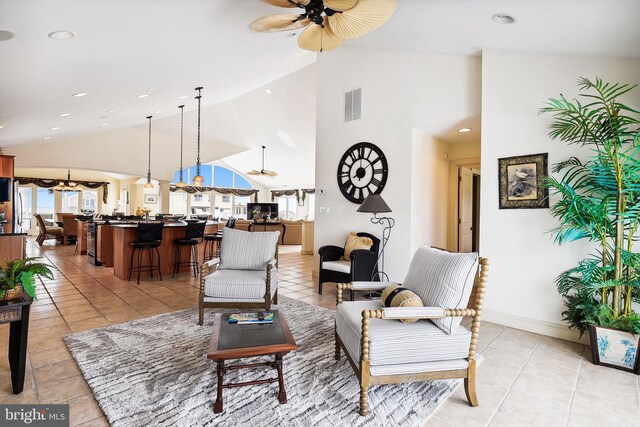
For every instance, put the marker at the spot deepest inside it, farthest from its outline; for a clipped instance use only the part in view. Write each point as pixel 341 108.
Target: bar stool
pixel 149 237
pixel 215 238
pixel 193 237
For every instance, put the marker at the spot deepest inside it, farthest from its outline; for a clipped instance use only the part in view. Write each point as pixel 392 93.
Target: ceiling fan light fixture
pixel 180 184
pixel 362 18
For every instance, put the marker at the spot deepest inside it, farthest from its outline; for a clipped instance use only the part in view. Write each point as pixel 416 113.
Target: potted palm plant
pixel 599 200
pixel 19 275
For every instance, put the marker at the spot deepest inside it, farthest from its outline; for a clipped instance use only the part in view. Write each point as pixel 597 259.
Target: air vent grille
pixel 353 105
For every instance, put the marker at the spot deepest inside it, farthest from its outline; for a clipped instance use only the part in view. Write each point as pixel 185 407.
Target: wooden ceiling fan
pixel 328 22
pixel 263 171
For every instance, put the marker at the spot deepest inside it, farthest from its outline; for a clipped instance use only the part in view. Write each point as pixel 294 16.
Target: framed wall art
pixel 151 199
pixel 520 181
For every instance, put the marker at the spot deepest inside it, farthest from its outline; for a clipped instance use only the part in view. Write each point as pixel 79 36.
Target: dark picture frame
pixel 520 182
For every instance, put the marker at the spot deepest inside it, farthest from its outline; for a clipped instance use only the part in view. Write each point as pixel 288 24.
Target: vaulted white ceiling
pixel 165 48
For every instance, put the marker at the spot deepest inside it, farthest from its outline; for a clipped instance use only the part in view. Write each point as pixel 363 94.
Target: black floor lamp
pixel 375 204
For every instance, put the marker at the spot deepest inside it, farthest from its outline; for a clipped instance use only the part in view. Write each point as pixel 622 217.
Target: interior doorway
pixel 468 230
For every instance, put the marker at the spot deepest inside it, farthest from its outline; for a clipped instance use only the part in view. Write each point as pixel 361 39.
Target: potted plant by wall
pixel 19 275
pixel 599 200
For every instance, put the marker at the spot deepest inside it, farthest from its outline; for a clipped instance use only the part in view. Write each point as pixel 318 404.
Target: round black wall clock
pixel 362 170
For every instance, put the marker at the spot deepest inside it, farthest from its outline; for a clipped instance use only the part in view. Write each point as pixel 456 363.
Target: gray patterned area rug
pixel 154 371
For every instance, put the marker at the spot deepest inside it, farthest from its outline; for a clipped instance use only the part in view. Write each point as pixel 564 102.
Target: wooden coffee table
pixel 232 341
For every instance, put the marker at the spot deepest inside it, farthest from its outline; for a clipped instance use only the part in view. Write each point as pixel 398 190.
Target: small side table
pixel 16 312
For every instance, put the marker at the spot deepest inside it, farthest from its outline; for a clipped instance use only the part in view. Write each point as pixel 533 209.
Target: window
pixel 226 199
pixel 90 199
pixel 287 207
pixel 240 206
pixel 178 203
pixel 311 199
pixel 197 197
pixel 223 209
pixel 70 201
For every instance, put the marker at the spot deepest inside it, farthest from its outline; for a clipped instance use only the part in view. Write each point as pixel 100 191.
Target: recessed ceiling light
pixel 503 18
pixel 183 97
pixel 152 88
pixel 464 130
pixel 6 35
pixel 144 95
pixel 268 91
pixel 1 127
pixel 79 94
pixel 62 35
pixel 47 137
pixel 158 112
pixel 111 111
pixel 64 115
pixel 55 128
pixel 105 124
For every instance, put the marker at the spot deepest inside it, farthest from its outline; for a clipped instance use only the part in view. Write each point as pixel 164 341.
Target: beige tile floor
pixel 525 378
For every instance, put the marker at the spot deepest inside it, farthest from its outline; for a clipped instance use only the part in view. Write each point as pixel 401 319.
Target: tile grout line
pixel 514 381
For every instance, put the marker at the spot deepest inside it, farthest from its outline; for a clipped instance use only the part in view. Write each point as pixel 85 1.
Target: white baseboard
pixel 551 329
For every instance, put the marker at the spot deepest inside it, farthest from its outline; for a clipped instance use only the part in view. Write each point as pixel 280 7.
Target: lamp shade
pixel 374 203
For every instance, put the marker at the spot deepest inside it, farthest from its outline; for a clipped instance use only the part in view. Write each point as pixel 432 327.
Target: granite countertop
pixel 7 229
pixel 166 224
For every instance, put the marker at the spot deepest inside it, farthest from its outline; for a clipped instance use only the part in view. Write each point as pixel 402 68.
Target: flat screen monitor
pixel 5 189
pixel 269 208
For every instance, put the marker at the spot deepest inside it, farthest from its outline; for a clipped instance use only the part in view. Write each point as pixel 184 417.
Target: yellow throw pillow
pixel 354 242
pixel 397 296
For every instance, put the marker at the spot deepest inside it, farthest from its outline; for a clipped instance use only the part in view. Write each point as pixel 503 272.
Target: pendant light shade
pixel 198 179
pixel 149 184
pixel 181 183
pixel 67 185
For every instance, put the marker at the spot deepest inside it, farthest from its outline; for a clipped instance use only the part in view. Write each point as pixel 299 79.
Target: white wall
pixel 429 191
pixel 401 91
pixel 524 259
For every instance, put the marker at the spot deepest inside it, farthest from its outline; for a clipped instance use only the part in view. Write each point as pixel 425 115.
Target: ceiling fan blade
pixel 253 172
pixel 362 19
pixel 341 4
pixel 282 22
pixel 286 3
pixel 318 39
pixel 270 173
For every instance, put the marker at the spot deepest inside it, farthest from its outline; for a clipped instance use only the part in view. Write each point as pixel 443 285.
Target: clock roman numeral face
pixel 362 170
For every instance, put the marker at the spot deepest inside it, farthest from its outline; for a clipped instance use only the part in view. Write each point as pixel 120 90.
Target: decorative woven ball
pixel 397 296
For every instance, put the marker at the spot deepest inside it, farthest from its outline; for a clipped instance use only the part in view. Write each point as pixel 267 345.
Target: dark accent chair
pixel 210 251
pixel 193 237
pixel 149 237
pixel 363 265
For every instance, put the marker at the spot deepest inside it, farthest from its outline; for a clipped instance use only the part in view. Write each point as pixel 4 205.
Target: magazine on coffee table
pixel 260 317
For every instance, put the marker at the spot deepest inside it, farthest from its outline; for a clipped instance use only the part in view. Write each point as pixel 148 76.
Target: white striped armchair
pixel 383 350
pixel 245 275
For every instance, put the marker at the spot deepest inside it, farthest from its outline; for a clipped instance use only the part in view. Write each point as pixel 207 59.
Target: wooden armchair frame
pixel 362 367
pixel 211 266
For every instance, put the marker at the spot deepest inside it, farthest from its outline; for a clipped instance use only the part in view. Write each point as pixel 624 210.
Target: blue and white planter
pixel 615 348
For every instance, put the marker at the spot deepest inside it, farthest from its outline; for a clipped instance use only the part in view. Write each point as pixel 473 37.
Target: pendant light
pixel 198 179
pixel 67 185
pixel 181 183
pixel 149 184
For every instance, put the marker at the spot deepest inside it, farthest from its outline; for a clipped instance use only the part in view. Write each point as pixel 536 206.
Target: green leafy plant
pixel 23 272
pixel 599 200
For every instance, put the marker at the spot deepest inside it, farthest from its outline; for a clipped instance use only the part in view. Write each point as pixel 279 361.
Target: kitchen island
pixel 125 234
pixel 12 242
